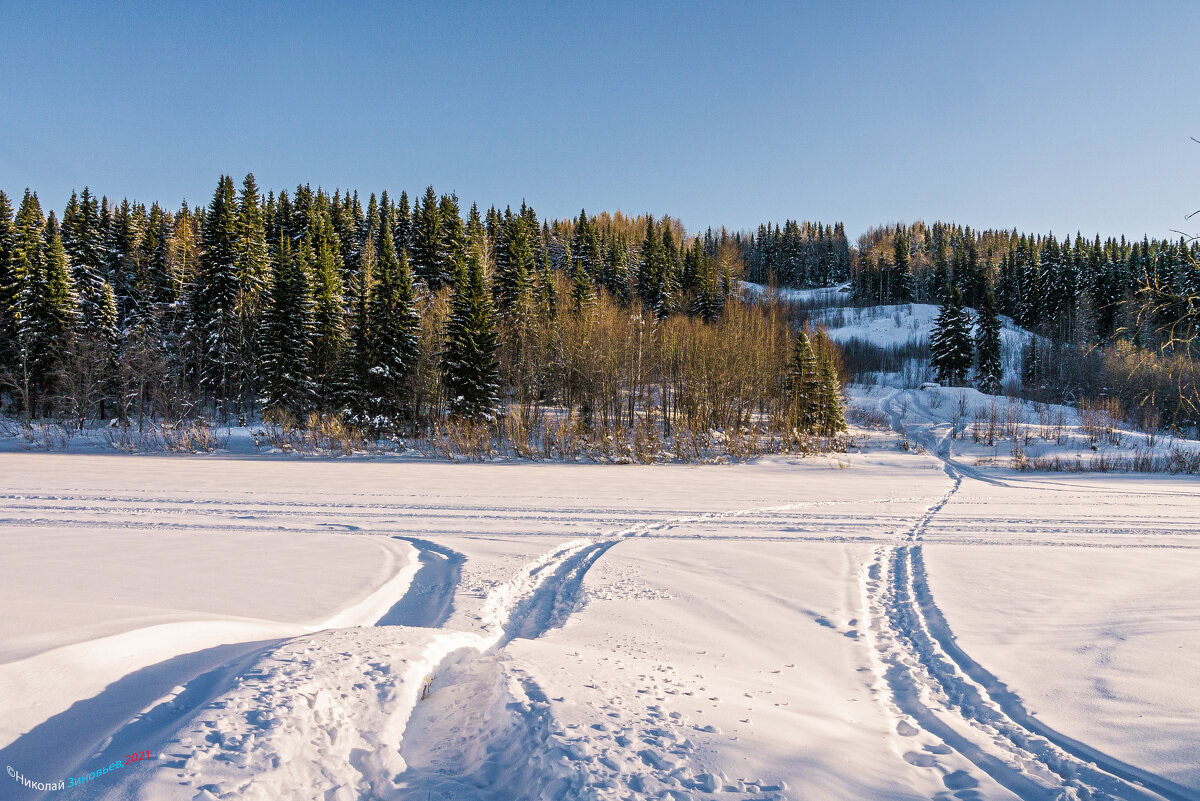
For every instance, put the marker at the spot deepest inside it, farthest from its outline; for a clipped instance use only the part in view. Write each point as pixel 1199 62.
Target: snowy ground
pixel 892 624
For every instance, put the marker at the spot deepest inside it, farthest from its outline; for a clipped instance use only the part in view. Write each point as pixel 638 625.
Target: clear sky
pixel 1058 116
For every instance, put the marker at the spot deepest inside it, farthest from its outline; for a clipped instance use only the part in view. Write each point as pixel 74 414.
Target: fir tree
pixel 950 340
pixel 471 372
pixel 989 367
pixel 454 240
pixel 287 332
pixel 1031 367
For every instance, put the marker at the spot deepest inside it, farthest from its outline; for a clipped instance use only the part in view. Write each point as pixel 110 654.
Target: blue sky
pixel 1056 116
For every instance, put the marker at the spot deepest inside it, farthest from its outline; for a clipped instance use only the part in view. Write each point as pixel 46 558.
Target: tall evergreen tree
pixel 252 270
pixel 803 385
pixel 903 282
pixel 427 242
pixel 831 414
pixel 950 340
pixel 329 323
pixel 392 339
pixel 471 371
pixel 989 366
pixel 10 287
pixel 708 302
pixel 48 316
pixel 288 327
pixel 654 284
pixel 214 329
pixel 514 264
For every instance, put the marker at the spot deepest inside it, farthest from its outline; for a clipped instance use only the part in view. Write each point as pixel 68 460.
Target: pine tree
pixel 471 371
pixel 392 339
pixel 803 383
pixel 990 368
pixel 950 340
pixel 831 414
pixel 286 337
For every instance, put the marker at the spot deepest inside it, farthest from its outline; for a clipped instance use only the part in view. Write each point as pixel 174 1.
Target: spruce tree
pixel 427 242
pixel 454 239
pixel 654 284
pixel 903 282
pixel 803 384
pixel 252 269
pixel 392 339
pixel 286 337
pixel 48 316
pixel 470 370
pixel 583 291
pixel 329 324
pixel 616 269
pixel 990 368
pixel 214 329
pixel 514 264
pixel 708 303
pixel 950 340
pixel 9 287
pixel 831 413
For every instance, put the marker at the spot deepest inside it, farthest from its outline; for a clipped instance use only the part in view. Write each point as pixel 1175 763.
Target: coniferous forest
pixel 610 335
pixel 606 335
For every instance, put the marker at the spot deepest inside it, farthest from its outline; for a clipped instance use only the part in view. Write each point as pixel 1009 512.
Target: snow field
pixel 777 629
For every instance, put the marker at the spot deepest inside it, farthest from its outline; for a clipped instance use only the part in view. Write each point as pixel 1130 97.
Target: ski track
pixel 412 708
pixel 966 720
pixel 230 730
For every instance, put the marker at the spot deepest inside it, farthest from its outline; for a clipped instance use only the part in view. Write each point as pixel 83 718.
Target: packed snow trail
pixel 430 597
pixel 936 688
pixel 338 710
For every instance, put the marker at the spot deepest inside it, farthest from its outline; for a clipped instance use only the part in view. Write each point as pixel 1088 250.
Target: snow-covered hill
pixel 888 326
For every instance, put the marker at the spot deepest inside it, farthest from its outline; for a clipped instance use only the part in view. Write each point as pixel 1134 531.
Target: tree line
pixel 393 317
pixel 1112 318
